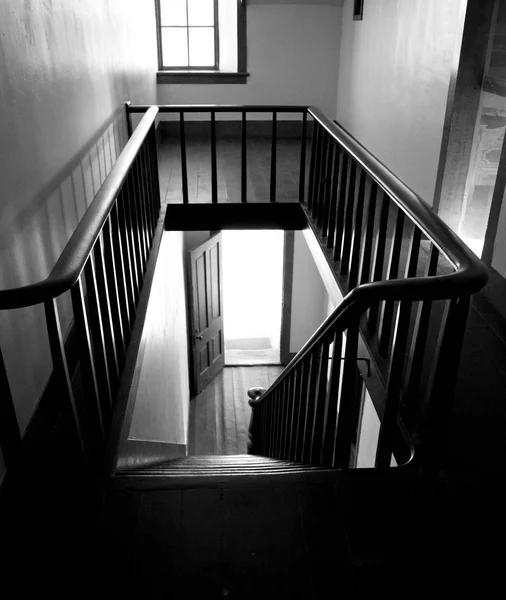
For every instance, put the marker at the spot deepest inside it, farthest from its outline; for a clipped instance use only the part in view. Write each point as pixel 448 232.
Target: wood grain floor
pixel 229 169
pixel 220 414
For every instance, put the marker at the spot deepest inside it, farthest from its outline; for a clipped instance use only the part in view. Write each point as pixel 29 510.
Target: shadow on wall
pixel 30 246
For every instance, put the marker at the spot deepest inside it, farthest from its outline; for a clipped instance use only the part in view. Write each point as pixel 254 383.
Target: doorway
pixel 252 296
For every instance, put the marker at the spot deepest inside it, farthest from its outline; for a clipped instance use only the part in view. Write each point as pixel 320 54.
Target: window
pixel 201 41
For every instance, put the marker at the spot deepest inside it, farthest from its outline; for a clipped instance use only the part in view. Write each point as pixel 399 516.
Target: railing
pixel 102 268
pixel 408 281
pixel 242 111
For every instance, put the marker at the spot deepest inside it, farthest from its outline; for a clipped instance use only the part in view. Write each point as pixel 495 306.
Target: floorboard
pixel 220 414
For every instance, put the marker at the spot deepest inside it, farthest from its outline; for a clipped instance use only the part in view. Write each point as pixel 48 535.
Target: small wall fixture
pixel 358 10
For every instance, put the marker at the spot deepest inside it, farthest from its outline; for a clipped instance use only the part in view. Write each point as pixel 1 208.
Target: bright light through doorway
pixel 252 296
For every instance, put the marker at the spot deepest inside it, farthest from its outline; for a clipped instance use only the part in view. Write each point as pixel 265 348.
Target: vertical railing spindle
pixel 303 144
pixel 86 352
pixel 184 166
pixel 330 425
pixel 274 157
pixel 244 159
pixel 60 367
pixel 214 166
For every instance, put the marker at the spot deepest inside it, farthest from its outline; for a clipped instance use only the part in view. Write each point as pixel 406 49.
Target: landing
pixel 220 414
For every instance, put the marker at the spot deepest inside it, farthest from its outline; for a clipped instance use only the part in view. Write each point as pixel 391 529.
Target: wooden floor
pixel 229 169
pixel 220 414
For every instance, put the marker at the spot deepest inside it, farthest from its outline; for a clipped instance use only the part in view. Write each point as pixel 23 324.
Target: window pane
pixel 173 12
pixel 201 12
pixel 174 47
pixel 202 47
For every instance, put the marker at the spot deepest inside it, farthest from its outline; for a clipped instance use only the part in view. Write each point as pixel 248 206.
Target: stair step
pixel 234 467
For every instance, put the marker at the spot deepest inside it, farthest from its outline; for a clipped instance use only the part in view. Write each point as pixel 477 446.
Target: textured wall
pixel 66 67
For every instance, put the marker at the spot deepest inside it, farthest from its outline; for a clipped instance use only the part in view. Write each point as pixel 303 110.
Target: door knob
pixel 199 337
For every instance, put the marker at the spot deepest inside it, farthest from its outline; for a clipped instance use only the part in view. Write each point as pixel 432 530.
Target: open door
pixel 208 349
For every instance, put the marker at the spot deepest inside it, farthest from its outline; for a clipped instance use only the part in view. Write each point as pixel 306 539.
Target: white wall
pixel 293 55
pixel 66 68
pixel 309 296
pixel 394 76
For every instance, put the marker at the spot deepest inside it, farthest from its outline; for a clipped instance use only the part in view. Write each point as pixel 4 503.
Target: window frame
pixel 206 74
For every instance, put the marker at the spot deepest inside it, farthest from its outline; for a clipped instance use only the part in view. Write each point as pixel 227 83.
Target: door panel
pixel 207 312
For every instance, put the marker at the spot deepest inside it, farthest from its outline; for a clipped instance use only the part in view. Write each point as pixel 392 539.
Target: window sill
pixel 201 77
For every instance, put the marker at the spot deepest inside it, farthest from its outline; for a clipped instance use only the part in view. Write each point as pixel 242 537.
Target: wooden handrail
pixel 73 258
pixel 471 274
pixel 219 108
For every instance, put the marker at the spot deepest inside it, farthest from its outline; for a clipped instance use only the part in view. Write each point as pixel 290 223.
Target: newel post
pixel 254 424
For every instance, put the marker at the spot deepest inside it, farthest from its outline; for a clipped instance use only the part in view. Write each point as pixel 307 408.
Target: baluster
pixel 287 416
pixel 442 378
pixel 265 405
pixel 273 157
pixel 124 262
pixel 312 165
pixel 117 291
pixel 103 284
pixel 214 167
pixel 416 352
pixel 152 194
pixel 367 247
pixel 329 429
pixel 10 436
pixel 388 309
pixel 133 242
pixel 184 166
pixel 279 410
pixel 244 159
pixel 320 408
pixel 97 332
pixel 394 384
pixel 341 205
pixel 356 242
pixel 85 352
pixel 314 366
pixel 148 193
pixel 282 411
pixel 350 402
pixel 303 143
pixel 351 193
pixel 328 187
pixel 272 427
pixel 379 254
pixel 295 412
pixel 154 167
pixel 139 206
pixel 299 441
pixel 317 212
pixel 337 174
pixel 63 384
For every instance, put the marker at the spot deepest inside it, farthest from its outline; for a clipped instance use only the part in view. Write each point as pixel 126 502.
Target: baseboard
pixel 233 129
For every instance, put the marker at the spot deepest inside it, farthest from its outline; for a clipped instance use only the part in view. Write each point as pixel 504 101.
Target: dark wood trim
pixel 242 55
pixel 286 310
pixel 205 217
pixel 158 33
pixel 198 77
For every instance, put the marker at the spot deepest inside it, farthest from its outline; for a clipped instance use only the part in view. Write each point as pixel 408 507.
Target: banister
pixel 220 108
pixel 470 273
pixel 73 258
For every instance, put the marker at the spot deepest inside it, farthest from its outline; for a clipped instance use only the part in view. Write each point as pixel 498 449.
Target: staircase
pixel 252 527
pixel 296 520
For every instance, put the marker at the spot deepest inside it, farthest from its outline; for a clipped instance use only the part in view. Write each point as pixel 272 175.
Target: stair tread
pixel 240 464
